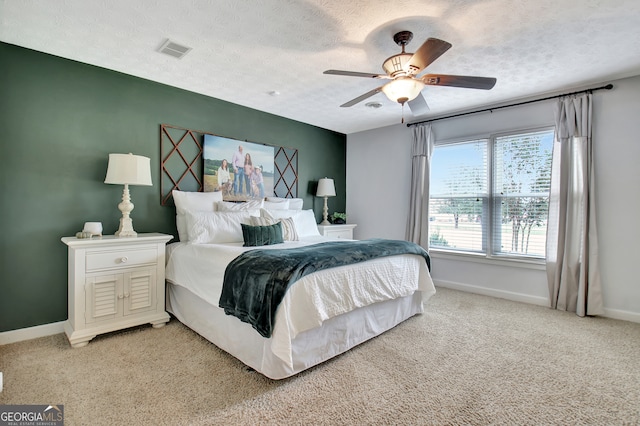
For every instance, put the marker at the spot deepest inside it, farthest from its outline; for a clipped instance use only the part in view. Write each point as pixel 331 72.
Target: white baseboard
pixel 501 294
pixel 621 315
pixel 525 298
pixel 29 333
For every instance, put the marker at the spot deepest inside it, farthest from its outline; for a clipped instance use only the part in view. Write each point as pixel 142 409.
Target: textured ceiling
pixel 243 50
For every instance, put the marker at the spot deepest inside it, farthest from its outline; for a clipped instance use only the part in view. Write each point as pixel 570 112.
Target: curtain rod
pixel 607 87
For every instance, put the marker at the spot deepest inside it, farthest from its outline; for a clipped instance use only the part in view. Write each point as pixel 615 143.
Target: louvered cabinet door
pixel 114 283
pixel 102 302
pixel 139 291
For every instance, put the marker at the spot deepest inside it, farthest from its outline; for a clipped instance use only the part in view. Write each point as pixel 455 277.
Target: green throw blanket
pixel 256 281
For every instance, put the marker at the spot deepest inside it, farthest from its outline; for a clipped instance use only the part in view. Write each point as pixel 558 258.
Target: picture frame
pixel 241 170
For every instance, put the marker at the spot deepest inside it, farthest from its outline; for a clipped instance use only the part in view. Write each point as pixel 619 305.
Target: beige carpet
pixel 470 360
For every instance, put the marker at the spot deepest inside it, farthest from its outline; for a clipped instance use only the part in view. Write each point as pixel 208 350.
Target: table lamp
pixel 326 189
pixel 127 169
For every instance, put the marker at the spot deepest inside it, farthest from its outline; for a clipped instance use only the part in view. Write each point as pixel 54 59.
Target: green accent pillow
pixel 262 235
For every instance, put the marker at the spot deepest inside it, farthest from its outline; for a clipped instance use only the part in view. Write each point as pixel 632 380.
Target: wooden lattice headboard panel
pixel 181 164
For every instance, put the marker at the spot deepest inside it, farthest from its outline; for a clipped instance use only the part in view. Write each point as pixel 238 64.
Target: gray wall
pixel 60 119
pixel 378 202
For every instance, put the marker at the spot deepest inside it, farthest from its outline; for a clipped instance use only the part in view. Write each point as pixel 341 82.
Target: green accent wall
pixel 60 119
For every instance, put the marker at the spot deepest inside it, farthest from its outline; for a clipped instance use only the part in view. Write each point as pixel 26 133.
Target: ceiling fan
pixel 403 70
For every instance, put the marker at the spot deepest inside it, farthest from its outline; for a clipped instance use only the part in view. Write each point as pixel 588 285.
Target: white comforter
pixel 310 301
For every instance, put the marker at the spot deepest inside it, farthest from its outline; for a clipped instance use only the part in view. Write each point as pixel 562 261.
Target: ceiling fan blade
pixel 430 50
pixel 355 74
pixel 361 98
pixel 418 106
pixel 465 81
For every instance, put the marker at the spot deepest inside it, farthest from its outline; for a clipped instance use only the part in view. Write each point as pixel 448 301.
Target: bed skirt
pixel 308 348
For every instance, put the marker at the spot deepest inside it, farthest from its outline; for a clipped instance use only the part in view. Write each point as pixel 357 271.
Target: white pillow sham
pixel 186 201
pixel 276 205
pixel 216 227
pixel 195 201
pixel 294 203
pixel 306 225
pixel 227 206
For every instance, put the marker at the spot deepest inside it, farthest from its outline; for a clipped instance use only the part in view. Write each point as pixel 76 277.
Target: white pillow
pixel 226 206
pixel 304 220
pixel 276 205
pixel 306 225
pixel 277 214
pixel 192 202
pixel 294 203
pixel 216 227
pixel 195 201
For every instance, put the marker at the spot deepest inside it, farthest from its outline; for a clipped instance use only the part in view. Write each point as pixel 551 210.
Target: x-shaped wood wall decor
pixel 181 164
pixel 286 167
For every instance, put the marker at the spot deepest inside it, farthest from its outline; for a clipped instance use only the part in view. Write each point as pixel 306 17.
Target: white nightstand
pixel 337 231
pixel 114 283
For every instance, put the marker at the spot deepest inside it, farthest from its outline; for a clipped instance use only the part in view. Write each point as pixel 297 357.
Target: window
pixel 491 195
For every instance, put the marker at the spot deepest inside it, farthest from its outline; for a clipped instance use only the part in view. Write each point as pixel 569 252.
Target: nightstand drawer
pixel 340 233
pixel 121 259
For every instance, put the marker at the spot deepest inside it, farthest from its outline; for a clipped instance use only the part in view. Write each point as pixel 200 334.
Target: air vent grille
pixel 174 49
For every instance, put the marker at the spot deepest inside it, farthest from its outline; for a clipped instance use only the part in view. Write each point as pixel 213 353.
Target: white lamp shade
pixel 326 188
pixel 128 169
pixel 403 89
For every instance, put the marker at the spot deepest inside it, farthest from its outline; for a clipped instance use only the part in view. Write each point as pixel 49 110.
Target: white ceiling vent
pixel 174 49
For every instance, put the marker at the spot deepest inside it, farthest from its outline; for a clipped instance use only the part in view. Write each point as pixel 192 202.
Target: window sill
pixel 538 264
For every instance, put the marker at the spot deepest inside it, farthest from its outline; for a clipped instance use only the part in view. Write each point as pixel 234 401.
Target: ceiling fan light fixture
pixel 403 89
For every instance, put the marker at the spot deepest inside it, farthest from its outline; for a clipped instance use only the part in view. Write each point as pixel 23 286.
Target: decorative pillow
pixel 260 221
pixel 186 201
pixel 304 220
pixel 216 227
pixel 294 203
pixel 289 232
pixel 262 235
pixel 226 206
pixel 276 205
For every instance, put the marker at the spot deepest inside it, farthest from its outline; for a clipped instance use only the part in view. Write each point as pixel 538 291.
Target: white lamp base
pixel 126 224
pixel 325 213
pixel 126 228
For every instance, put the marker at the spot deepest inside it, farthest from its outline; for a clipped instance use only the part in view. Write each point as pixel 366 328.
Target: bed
pixel 322 315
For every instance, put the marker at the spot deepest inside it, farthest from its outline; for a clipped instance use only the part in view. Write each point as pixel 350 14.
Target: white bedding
pixel 316 300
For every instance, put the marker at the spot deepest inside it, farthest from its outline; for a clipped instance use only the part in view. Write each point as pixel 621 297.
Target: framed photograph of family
pixel 241 170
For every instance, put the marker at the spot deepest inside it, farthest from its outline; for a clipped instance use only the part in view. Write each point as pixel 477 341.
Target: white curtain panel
pixel 418 221
pixel 572 243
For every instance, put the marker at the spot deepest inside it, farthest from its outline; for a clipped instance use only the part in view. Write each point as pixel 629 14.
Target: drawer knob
pixel 124 259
